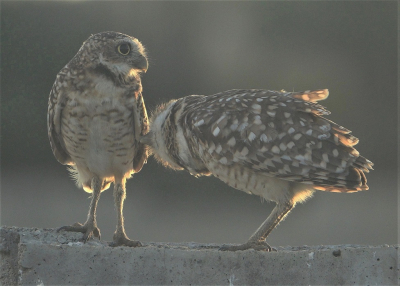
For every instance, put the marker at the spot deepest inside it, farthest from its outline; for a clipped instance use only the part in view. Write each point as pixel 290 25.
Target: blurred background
pixel 204 48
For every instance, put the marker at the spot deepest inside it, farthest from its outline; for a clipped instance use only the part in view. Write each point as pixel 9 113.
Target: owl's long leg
pixel 257 240
pixel 120 237
pixel 89 228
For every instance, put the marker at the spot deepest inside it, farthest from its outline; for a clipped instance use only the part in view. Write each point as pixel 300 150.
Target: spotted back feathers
pixel 276 133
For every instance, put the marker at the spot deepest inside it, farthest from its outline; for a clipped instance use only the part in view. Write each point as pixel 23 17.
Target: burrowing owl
pixel 96 116
pixel 273 144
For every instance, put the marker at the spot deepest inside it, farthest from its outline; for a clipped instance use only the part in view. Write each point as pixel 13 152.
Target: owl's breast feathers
pixel 94 122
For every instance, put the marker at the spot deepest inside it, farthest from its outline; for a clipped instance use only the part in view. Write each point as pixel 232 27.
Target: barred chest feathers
pixel 98 129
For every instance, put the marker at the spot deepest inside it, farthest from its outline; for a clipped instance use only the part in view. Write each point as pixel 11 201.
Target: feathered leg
pixel 120 237
pixel 257 240
pixel 89 228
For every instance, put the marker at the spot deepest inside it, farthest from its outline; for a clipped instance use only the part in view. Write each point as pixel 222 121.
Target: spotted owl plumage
pixel 96 116
pixel 274 144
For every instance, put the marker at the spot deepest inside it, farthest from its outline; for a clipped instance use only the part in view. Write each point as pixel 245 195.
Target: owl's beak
pixel 141 63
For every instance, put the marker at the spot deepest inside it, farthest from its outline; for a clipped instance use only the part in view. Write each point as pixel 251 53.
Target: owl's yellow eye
pixel 124 49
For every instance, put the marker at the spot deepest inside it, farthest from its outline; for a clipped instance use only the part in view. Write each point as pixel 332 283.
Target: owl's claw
pixel 256 245
pixel 120 239
pixel 88 229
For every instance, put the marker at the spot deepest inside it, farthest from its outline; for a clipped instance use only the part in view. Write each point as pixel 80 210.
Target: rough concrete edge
pixel 9 242
pixel 19 235
pixel 13 240
pixel 398 263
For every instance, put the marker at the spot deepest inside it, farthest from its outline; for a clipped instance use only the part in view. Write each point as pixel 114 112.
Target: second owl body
pixel 179 147
pixel 274 144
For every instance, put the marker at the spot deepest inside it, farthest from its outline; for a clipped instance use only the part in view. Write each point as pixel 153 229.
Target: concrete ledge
pixel 45 257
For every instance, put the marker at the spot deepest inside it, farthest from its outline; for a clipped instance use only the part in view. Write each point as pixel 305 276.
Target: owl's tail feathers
pixel 363 164
pixel 85 183
pixel 74 174
pixel 311 95
pixel 353 181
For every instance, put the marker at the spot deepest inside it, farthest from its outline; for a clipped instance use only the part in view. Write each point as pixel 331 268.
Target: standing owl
pixel 273 144
pixel 96 116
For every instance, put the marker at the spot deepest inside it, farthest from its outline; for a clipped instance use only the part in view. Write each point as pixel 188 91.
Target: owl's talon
pixel 96 233
pixel 120 239
pixel 77 224
pixel 88 229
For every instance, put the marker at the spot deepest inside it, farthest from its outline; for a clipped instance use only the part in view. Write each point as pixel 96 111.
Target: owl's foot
pixel 120 239
pixel 256 245
pixel 88 229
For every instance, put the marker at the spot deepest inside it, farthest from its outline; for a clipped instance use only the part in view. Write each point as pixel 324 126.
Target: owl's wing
pixel 141 127
pixel 55 106
pixel 279 134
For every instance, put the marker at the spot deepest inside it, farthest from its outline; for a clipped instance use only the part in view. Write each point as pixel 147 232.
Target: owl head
pixel 115 55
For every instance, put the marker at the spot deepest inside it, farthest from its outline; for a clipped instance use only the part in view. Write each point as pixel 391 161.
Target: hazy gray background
pixel 202 48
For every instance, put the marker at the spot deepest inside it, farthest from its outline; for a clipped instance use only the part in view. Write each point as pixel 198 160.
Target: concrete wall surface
pixel 45 257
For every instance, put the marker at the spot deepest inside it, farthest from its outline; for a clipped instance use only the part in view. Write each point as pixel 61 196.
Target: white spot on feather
pixel 232 141
pixel 323 136
pixel 297 136
pixel 264 138
pixel 290 145
pixel 276 150
pixel 257 120
pixel 339 170
pixel 242 126
pixel 251 136
pixel 324 127
pixel 221 118
pixel 199 123
pixel 216 131
pixel 234 127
